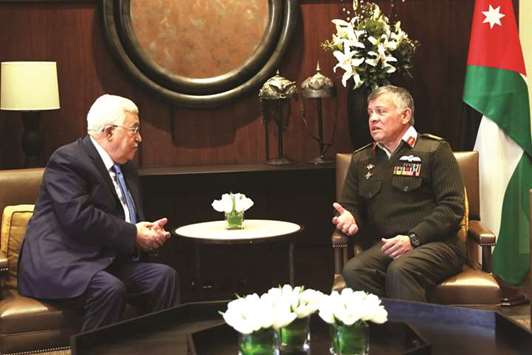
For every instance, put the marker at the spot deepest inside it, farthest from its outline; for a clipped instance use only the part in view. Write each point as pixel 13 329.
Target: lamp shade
pixel 29 86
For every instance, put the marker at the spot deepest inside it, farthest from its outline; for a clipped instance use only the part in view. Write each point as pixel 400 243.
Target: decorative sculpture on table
pixel 275 97
pixel 315 88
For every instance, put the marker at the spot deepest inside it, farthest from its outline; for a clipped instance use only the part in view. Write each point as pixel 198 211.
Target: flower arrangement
pixel 279 319
pixel 276 308
pixel 252 313
pixel 297 301
pixel 348 313
pixel 368 48
pixel 232 202
pixel 234 206
pixel 350 307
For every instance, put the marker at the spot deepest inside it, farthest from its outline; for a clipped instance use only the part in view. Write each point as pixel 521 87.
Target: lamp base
pixel 31 139
pixel 321 160
pixel 279 161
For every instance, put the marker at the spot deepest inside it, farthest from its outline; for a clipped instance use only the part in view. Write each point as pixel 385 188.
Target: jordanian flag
pixel 496 86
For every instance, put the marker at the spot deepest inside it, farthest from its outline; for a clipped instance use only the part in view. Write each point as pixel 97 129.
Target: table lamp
pixel 29 87
pixel 314 89
pixel 275 97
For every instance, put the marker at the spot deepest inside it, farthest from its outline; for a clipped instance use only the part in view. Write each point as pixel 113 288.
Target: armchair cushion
pixel 25 321
pixel 14 222
pixel 466 288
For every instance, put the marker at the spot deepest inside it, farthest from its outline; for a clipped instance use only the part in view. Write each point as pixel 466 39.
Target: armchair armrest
pixel 485 239
pixel 481 235
pixel 339 243
pixel 3 264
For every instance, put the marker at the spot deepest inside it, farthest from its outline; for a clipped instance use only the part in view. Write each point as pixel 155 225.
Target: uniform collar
pixel 409 137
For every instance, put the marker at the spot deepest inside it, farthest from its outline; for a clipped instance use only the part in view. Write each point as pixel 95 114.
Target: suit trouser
pixel 407 277
pixel 148 286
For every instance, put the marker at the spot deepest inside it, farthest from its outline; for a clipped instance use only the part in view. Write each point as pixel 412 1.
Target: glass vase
pixel 350 339
pixel 295 337
pixel 261 342
pixel 234 220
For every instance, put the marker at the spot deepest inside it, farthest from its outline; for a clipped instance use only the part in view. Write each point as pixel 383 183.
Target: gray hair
pixel 400 96
pixel 109 110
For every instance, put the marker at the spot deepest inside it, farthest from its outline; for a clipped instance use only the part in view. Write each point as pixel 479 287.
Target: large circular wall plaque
pixel 200 53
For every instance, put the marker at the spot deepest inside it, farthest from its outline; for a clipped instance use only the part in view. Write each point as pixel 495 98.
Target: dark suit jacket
pixel 78 225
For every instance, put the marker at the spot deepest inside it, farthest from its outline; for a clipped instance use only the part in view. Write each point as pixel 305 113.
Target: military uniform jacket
pixel 418 190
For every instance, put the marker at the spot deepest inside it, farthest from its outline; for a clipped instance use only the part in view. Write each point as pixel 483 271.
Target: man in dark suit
pixel 83 243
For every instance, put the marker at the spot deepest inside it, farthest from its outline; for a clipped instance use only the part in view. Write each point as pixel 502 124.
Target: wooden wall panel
pixel 70 33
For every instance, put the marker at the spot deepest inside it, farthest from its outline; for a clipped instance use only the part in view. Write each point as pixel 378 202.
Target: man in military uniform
pixel 404 197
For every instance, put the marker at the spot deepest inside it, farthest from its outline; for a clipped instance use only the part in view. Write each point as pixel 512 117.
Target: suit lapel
pixel 100 166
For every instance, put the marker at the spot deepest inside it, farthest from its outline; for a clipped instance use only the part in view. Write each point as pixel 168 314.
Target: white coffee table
pixel 255 231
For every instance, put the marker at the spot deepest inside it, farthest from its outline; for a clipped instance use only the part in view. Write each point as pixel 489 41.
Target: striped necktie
pixel 125 193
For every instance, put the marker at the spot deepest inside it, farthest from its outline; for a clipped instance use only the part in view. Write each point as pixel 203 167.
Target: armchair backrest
pixel 19 186
pixel 19 190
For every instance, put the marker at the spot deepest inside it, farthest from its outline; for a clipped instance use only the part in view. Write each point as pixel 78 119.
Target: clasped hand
pixel 152 235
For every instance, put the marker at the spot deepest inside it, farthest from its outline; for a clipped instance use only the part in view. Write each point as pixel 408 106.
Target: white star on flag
pixel 493 16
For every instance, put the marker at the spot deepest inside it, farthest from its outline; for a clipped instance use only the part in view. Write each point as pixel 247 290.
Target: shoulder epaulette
pixel 362 148
pixel 431 136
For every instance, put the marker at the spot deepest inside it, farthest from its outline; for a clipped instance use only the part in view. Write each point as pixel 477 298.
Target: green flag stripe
pixel 511 255
pixel 502 96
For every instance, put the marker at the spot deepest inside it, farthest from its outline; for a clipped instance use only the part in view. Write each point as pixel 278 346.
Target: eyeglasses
pixel 134 129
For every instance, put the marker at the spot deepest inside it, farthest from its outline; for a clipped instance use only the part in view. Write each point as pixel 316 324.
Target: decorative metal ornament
pixel 315 88
pixel 275 97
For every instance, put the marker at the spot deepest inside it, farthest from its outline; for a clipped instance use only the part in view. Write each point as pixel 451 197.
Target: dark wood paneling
pixel 70 33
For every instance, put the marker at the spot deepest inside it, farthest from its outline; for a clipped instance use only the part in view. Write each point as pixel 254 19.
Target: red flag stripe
pixel 492 44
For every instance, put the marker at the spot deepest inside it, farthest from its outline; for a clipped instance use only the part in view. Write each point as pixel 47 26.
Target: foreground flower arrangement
pixel 233 206
pixel 348 307
pixel 368 48
pixel 279 318
pixel 348 313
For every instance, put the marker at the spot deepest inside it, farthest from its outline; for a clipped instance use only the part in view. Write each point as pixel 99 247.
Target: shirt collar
pixel 106 158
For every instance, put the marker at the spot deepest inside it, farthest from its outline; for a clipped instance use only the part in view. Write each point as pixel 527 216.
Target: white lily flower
pixel 367 46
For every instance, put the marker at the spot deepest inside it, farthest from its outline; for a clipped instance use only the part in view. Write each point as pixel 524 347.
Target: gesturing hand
pixel 344 221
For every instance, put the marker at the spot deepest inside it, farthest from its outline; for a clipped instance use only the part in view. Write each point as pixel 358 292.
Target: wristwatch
pixel 414 240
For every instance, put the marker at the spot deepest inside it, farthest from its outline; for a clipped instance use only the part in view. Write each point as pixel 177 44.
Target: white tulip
pixel 349 307
pixel 232 202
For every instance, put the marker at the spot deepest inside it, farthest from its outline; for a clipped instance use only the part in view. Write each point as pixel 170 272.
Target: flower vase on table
pixel 295 337
pixel 261 342
pixel 350 339
pixel 348 313
pixel 234 220
pixel 276 321
pixel 298 304
pixel 233 206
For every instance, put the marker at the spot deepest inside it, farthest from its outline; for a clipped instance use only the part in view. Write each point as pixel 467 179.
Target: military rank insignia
pixel 369 174
pixel 409 165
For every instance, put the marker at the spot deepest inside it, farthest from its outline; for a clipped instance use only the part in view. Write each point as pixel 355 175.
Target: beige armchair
pixel 475 285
